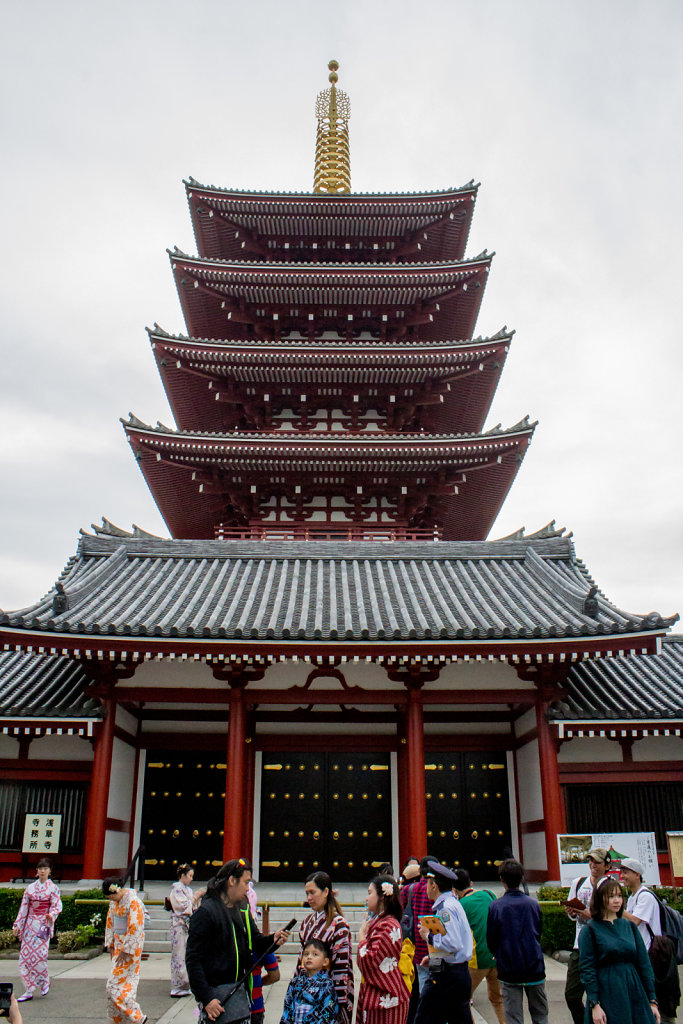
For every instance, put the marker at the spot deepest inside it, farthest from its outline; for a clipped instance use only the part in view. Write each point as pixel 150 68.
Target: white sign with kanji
pixel 41 833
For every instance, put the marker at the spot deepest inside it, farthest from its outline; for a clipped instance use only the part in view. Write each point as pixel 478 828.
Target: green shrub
pixel 10 901
pixel 67 942
pixel 553 892
pixel 7 938
pixel 557 930
pixel 71 915
pixel 83 935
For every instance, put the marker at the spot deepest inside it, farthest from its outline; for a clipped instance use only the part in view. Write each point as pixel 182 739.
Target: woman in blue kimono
pixel 615 967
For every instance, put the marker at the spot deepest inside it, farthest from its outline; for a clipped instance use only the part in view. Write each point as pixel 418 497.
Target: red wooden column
pixel 415 799
pixel 235 778
pixel 98 797
pixel 553 804
pixel 404 850
pixel 249 783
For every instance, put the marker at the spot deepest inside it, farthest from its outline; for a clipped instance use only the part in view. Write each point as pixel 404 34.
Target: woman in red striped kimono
pixel 327 923
pixel 384 996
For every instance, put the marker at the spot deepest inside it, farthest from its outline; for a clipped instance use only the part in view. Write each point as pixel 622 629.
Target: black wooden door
pixel 468 811
pixel 327 812
pixel 182 813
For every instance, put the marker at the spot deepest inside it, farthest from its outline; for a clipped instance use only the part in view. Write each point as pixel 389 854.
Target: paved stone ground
pixel 77 993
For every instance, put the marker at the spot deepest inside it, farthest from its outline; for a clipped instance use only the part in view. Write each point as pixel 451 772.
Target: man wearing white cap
pixel 599 861
pixel 643 909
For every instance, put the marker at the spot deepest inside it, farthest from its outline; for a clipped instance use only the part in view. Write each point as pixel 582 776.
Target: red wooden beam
pixel 86 647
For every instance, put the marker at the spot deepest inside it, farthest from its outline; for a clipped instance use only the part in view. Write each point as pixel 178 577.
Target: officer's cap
pixel 443 876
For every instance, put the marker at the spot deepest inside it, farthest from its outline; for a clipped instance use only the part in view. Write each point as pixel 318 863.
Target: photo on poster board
pixel 641 846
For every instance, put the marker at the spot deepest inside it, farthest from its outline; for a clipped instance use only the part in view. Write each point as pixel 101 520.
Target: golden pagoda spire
pixel 332 155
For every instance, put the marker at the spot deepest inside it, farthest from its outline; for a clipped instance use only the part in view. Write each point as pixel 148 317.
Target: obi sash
pixel 119 924
pixel 40 906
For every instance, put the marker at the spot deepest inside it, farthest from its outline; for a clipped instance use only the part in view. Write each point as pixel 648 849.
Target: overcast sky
pixel 571 117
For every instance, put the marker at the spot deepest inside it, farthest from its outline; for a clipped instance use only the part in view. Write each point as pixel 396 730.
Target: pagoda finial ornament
pixel 332 154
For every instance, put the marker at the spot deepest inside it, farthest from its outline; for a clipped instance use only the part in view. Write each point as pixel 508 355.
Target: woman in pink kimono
pixel 35 925
pixel 183 904
pixel 124 937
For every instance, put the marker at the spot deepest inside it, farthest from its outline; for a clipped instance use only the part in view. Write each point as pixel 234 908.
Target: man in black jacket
pixel 223 939
pixel 513 933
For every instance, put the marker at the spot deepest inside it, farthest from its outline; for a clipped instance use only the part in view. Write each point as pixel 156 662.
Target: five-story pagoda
pixel 329 385
pixel 256 684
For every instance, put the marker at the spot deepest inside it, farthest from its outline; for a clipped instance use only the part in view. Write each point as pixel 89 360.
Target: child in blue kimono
pixel 311 998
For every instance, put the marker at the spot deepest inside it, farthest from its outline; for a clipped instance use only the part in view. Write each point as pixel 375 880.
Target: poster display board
pixel 41 833
pixel 674 841
pixel 639 845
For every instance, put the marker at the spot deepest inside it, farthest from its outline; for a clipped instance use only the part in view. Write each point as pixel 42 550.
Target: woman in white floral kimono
pixel 183 904
pixel 34 925
pixel 124 937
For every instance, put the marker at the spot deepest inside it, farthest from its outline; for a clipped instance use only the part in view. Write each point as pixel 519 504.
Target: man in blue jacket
pixel 513 934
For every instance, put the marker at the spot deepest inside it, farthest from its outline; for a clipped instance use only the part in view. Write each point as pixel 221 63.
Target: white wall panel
pixel 60 748
pixel 658 748
pixel 9 746
pixel 534 855
pixel 529 782
pixel 586 749
pixel 115 851
pixel 122 781
pixel 484 675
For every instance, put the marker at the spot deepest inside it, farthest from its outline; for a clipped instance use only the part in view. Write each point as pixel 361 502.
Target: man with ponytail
pixel 221 944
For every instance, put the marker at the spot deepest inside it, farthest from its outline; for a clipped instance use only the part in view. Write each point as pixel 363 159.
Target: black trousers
pixel 574 990
pixel 445 998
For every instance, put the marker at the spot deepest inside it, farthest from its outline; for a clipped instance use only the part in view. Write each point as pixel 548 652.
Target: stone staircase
pixel 158 926
pixel 278 917
pixel 157 929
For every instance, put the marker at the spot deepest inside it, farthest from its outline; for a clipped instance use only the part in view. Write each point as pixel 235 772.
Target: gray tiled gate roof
pixel 509 589
pixel 38 685
pixel 626 687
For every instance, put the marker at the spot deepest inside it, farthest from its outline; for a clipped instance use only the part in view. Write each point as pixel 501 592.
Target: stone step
pixel 152 946
pixel 157 928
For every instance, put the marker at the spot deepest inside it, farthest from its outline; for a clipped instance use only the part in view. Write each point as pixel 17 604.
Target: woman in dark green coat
pixel 615 967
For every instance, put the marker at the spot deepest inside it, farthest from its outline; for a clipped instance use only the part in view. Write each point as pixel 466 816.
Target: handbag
pixel 235 1002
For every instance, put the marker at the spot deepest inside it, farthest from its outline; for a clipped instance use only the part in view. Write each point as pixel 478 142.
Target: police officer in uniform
pixel 445 999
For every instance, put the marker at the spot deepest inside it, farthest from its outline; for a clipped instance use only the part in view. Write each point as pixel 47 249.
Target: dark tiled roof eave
pixel 510 590
pixel 44 686
pixel 644 688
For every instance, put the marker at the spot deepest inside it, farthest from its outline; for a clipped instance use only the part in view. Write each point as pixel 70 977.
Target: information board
pixel 674 840
pixel 641 846
pixel 41 833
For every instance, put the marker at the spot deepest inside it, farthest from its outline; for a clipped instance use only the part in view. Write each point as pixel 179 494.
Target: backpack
pixel 671 923
pixel 408 919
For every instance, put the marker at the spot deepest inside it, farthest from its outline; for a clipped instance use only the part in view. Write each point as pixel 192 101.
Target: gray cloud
pixel 569 115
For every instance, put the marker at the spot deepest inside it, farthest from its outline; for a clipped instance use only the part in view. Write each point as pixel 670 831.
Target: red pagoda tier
pixel 450 486
pixel 330 384
pixel 259 385
pixel 427 301
pixel 415 227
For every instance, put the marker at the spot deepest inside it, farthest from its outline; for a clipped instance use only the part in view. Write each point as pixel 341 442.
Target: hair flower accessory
pixel 387 889
pixel 114 888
